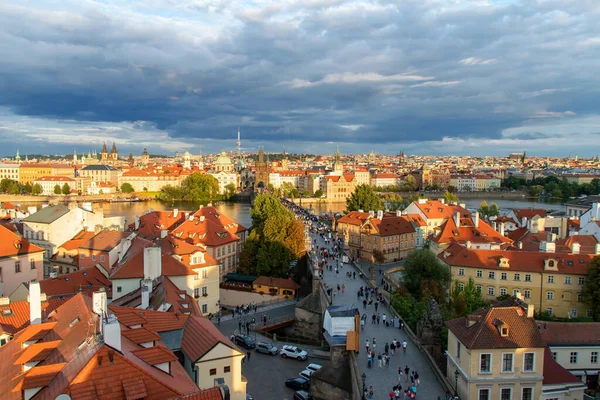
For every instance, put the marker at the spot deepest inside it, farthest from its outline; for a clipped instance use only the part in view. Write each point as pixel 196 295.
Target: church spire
pixel 104 149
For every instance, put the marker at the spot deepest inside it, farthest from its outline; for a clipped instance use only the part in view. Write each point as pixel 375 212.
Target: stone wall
pixel 309 317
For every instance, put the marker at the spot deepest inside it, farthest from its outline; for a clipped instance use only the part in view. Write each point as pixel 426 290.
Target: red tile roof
pixel 484 333
pixel 155 355
pixel 200 336
pixel 209 227
pixel 105 240
pixel 77 241
pixel 12 244
pixel 87 280
pixel 133 267
pixel 287 283
pixel 529 213
pixel 156 321
pixel 448 232
pixel 140 335
pixel 587 244
pixel 354 218
pixel 570 333
pixel 18 317
pixel 526 261
pixel 392 225
pixel 213 393
pixel 152 223
pixel 435 209
pixel 555 374
pixel 38 376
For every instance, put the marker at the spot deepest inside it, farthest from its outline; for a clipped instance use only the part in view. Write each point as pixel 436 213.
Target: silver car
pixel 267 348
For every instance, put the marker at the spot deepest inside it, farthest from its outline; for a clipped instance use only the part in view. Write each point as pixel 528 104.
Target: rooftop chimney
pixel 468 244
pixel 523 222
pixel 476 219
pixel 191 217
pixel 575 248
pixel 35 303
pixel 146 291
pixel 152 262
pixel 462 205
pixel 494 225
pixel 547 247
pixel 371 213
pixel 597 248
pixel 520 245
pixel 398 213
pixel 530 310
pixel 361 211
pixel 111 332
pixel 379 215
pixel 442 201
pixel 99 302
pixel 422 201
pixel 457 219
pixel 175 212
pixel 501 228
pixel 163 233
pixel 137 223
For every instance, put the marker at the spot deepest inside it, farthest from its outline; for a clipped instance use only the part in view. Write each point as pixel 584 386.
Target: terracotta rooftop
pixel 355 218
pixel 200 336
pixel 448 232
pixel 484 333
pixel 87 280
pixel 15 315
pixel 155 355
pixel 287 283
pixel 528 213
pixel 140 335
pixel 209 227
pixel 435 209
pixel 77 241
pixel 555 374
pixel 133 267
pixel 156 321
pixel 206 394
pixel 391 225
pixel 152 223
pixel 105 240
pixel 12 244
pixel 570 333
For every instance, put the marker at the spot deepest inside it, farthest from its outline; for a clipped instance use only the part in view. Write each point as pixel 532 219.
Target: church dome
pixel 223 159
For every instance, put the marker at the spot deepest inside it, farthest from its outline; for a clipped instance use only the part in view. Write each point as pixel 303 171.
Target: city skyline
pixel 423 77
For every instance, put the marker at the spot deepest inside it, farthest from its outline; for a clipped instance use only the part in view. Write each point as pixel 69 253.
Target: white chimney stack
pixel 442 201
pixel 175 212
pixel 137 223
pixel 547 247
pixel 163 233
pixel 494 226
pixel 398 213
pixel 468 244
pixel 371 213
pixel 379 215
pixel 530 309
pixel 523 222
pixel 111 332
pixel 575 248
pixel 35 303
pixel 146 291
pixel 476 219
pixel 152 262
pixel 597 248
pixel 99 302
pixel 457 219
pixel 501 229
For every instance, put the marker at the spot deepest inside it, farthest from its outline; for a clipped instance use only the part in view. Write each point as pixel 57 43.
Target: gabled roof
pixel 209 227
pixel 156 321
pixel 133 267
pixel 86 280
pixel 555 374
pixel 524 261
pixel 529 213
pixel 200 336
pixel 448 232
pixel 484 333
pixel 355 218
pixel 587 242
pixel 98 167
pixel 12 244
pixel 570 333
pixel 47 215
pixel 77 240
pixel 105 240
pixel 435 209
pixel 19 315
pixel 213 393
pixel 152 223
pixel 392 225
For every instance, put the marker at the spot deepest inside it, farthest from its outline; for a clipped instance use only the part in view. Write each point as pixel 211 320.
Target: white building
pixel 9 171
pixel 225 173
pixel 48 183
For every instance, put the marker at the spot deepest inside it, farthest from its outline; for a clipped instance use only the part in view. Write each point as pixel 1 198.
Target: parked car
pixel 313 367
pixel 307 373
pixel 293 352
pixel 298 383
pixel 245 341
pixel 302 395
pixel 267 348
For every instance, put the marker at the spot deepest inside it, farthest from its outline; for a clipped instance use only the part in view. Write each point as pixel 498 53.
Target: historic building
pixel 224 172
pixel 262 171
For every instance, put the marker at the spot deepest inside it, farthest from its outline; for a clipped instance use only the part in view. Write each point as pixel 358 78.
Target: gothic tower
pixel 104 154
pixel 262 170
pixel 338 167
pixel 114 155
pixel 145 158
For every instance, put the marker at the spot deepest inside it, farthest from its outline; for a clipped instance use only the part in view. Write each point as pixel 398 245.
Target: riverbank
pixel 124 197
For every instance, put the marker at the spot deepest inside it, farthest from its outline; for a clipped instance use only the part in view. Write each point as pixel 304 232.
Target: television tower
pixel 239 142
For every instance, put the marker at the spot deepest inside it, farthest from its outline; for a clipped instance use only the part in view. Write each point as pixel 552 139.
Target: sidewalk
pixel 382 379
pixel 261 309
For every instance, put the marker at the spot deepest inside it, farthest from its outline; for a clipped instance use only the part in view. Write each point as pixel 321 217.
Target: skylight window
pixel 7 312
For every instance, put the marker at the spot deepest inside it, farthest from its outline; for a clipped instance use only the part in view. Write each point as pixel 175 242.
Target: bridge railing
pixel 259 326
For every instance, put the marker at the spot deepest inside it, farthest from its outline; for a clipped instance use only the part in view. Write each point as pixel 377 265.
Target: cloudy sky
pixel 466 77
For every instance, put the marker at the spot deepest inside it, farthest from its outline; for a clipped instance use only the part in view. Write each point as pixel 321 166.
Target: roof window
pixel 7 312
pixel 74 322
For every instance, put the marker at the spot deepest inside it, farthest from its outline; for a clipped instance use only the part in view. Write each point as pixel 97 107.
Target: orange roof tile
pixel 287 283
pixel 36 352
pixel 18 317
pixel 105 240
pixel 209 227
pixel 200 336
pixel 156 321
pixel 39 376
pixel 155 355
pixel 354 218
pixel 570 333
pixel 140 335
pixel 448 232
pixel 435 209
pixel 134 267
pixel 87 280
pixel 213 393
pixel 12 244
pixel 152 223
pixel 77 241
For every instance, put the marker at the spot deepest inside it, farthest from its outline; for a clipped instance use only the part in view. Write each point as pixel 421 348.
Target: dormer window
pixel 504 331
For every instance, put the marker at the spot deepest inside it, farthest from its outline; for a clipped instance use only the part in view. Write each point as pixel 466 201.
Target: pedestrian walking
pixel 373 319
pixel 383 318
pixel 365 304
pixel 376 305
pixel 406 371
pixel 374 344
pixel 354 274
pixel 386 347
pixel 400 373
pixel 362 324
pixel 248 353
pixel 378 318
pixel 380 360
pixel 417 381
pixel 343 287
pixel 367 345
pixel 404 344
pixel 393 346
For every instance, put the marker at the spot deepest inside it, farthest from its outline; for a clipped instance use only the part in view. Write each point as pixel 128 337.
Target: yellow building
pixel 275 286
pixel 31 172
pixel 498 353
pixel 338 188
pixel 551 281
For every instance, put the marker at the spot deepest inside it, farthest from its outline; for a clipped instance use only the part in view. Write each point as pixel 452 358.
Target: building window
pixel 588 313
pixel 32 264
pixel 507 362
pixel 461 286
pixel 479 273
pixel 484 394
pixel 485 363
pixel 527 294
pixel 204 309
pixel 502 292
pixel 581 280
pixel 517 277
pixel 119 289
pixel 550 278
pixel 458 350
pixel 204 274
pixel 516 292
pixel 549 295
pixel 594 357
pixel 528 362
pixel 549 311
pixel 196 292
pixel 102 258
pixel 213 371
pixel 461 272
pixel 573 357
pixel 506 394
pixel 93 257
pixel 504 276
pixel 580 298
pixel 574 313
pixel 479 288
pixel 567 280
pixel 204 291
pixel 491 291
pixel 492 275
pixel 17 266
pixel 527 277
pixel 527 394
pixel 227 369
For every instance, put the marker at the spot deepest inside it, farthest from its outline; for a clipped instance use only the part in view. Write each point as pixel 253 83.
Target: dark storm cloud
pixel 303 71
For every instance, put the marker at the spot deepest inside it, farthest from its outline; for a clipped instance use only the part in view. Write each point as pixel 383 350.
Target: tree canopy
pixel 591 288
pixel 449 197
pixel 10 187
pixel 276 239
pixel 57 189
pixel 424 274
pixel 36 189
pixel 467 300
pixel 363 198
pixel 198 188
pixel 66 189
pixel 127 188
pixel 488 210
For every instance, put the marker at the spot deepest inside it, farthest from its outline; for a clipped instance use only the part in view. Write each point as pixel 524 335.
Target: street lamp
pixel 456 375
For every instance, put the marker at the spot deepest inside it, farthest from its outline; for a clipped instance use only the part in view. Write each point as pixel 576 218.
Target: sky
pixel 427 77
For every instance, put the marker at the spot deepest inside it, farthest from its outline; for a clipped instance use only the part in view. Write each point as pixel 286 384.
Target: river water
pixel 240 212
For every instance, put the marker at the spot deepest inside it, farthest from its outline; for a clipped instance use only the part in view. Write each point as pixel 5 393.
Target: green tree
pixel 27 187
pixel 449 197
pixel 57 189
pixel 9 186
pixel 36 189
pixel 318 193
pixel 198 187
pixel 466 300
pixel 287 188
pixel 363 198
pixel 66 189
pixel 378 256
pixel 127 188
pixel 410 184
pixel 15 188
pixel 425 274
pixel 486 210
pixel 393 201
pixel 452 189
pixel 535 190
pixel 230 189
pixel 170 193
pixel 591 288
pixel 411 309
